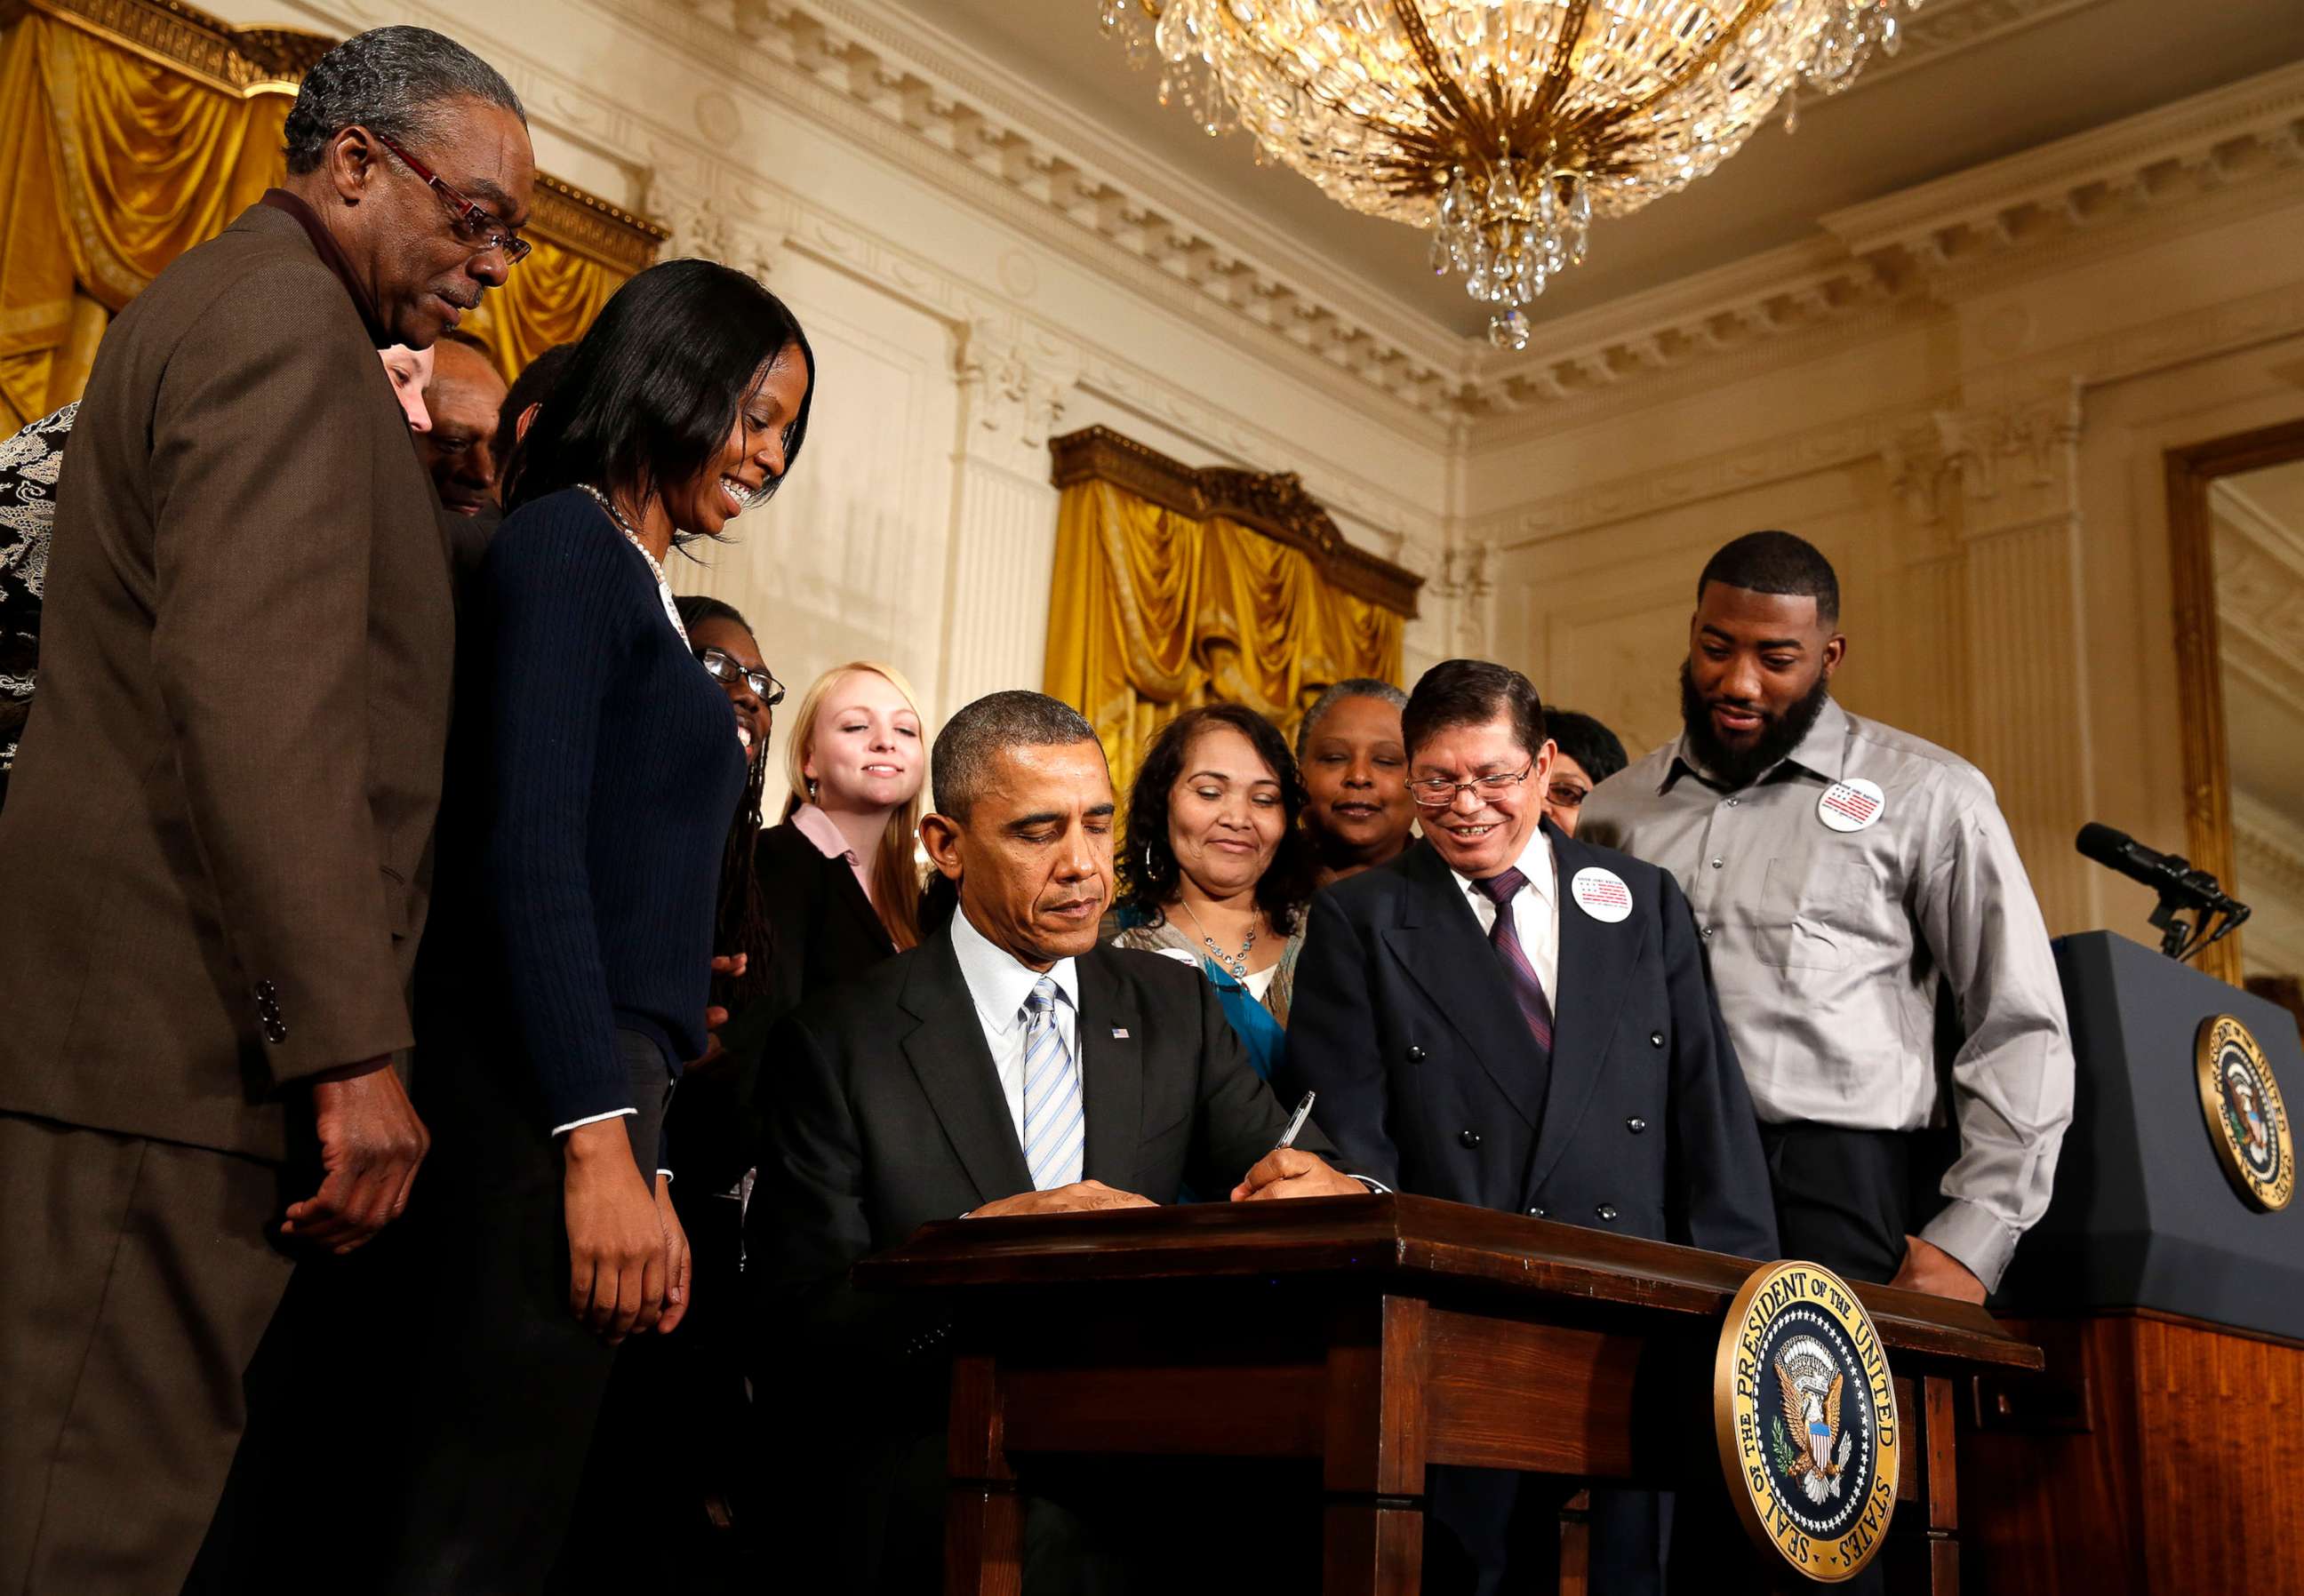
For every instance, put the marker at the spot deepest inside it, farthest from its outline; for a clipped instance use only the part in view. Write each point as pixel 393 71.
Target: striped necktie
pixel 1528 986
pixel 1053 1131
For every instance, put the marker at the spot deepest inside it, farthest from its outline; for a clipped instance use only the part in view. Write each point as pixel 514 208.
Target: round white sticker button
pixel 1602 894
pixel 1851 804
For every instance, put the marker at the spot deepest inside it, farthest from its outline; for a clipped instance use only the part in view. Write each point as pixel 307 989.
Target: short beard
pixel 1779 734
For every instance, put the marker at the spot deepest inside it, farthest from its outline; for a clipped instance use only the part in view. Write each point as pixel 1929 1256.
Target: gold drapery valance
pixel 1176 588
pixel 131 129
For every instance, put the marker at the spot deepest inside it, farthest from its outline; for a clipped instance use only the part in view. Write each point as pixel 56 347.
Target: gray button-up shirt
pixel 1826 947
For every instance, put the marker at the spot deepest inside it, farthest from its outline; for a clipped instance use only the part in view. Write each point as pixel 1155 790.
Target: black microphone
pixel 2166 873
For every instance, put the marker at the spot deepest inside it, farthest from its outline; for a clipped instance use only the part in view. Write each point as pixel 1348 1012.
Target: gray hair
pixel 1358 687
pixel 392 82
pixel 962 761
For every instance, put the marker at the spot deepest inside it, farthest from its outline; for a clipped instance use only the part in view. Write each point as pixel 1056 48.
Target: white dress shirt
pixel 999 983
pixel 1536 910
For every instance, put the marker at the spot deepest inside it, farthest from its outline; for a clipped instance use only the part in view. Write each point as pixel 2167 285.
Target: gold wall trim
pixel 236 61
pixel 589 225
pixel 2199 658
pixel 1274 503
pixel 250 60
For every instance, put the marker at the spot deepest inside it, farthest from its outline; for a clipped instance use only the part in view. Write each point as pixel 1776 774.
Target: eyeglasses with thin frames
pixel 726 670
pixel 473 226
pixel 1438 792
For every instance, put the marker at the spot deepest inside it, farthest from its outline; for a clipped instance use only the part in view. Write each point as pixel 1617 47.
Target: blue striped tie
pixel 1054 1130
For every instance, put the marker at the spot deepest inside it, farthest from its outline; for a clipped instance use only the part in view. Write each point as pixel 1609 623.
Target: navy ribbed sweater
pixel 599 770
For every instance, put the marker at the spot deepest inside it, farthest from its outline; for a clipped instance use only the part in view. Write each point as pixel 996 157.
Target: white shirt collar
pixel 1535 862
pixel 998 980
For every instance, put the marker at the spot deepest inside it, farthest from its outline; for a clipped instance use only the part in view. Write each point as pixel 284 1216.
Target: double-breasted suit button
pixel 1536 1214
pixel 1608 1213
pixel 265 993
pixel 1636 1125
pixel 1417 1055
pixel 1469 1138
pixel 1656 1038
pixel 274 1032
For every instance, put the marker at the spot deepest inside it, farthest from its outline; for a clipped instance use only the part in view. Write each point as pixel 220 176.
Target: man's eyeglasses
pixel 1564 795
pixel 727 672
pixel 1438 792
pixel 474 226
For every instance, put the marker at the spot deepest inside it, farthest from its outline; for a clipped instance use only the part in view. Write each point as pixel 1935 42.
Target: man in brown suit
pixel 216 849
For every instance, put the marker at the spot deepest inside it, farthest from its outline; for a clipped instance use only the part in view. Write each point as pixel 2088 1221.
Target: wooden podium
pixel 1375 1335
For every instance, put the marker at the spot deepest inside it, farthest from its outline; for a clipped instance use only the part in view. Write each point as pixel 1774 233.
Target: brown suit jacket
pixel 216 849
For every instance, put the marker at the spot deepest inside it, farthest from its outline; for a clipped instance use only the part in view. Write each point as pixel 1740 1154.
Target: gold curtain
pixel 549 298
pixel 112 164
pixel 1154 612
pixel 110 167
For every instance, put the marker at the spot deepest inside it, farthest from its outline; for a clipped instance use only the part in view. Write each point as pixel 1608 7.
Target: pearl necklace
pixel 655 566
pixel 1236 964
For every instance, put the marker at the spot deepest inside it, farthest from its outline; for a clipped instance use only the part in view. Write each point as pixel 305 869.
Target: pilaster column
pixel 1003 538
pixel 1997 485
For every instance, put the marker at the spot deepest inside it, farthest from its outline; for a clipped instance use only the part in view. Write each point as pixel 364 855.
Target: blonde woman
pixel 838 880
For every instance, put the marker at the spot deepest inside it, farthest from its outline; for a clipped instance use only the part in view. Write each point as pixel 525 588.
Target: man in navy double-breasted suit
pixel 1508 1018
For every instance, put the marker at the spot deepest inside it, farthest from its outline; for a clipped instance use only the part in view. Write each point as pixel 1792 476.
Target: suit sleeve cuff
pixel 1975 1236
pixel 562 1130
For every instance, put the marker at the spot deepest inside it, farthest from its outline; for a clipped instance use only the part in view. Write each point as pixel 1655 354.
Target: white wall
pixel 1960 391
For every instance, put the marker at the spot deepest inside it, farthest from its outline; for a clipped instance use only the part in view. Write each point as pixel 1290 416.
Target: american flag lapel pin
pixel 1120 1033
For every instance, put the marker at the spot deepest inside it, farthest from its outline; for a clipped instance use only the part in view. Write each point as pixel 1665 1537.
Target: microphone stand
pixel 2213 918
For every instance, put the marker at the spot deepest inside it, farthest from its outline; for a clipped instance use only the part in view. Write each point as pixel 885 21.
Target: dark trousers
pixel 444 1385
pixel 135 1281
pixel 508 1384
pixel 1846 1199
pixel 669 1454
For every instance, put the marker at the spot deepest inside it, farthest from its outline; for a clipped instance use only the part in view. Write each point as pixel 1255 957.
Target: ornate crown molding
pixel 1274 503
pixel 901 89
pixel 247 61
pixel 2112 188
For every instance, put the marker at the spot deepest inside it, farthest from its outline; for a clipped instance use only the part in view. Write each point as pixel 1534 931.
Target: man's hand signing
pixel 1292 1172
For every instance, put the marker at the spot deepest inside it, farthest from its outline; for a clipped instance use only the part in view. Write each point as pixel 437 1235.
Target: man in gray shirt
pixel 1859 897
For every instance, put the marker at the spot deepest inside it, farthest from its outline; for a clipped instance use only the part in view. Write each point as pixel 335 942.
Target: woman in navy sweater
pixel 596 768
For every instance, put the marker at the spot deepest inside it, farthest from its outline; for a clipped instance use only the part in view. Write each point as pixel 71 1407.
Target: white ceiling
pixel 1984 78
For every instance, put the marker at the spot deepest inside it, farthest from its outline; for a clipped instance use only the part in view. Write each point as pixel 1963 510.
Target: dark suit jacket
pixel 1405 1025
pixel 217 842
pixel 882 1110
pixel 826 929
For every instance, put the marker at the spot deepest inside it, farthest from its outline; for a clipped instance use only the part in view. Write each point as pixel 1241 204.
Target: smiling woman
pixel 1216 871
pixel 596 767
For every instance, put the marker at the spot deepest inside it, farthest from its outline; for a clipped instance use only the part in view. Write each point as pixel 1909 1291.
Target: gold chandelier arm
pixel 1437 83
pixel 1702 62
pixel 1547 98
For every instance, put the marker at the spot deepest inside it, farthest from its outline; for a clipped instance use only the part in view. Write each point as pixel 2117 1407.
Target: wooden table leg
pixel 983 1517
pixel 1942 1496
pixel 1373 1473
pixel 1372 1548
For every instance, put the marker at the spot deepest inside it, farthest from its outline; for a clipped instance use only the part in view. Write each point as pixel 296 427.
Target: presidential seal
pixel 1806 1419
pixel 2248 1124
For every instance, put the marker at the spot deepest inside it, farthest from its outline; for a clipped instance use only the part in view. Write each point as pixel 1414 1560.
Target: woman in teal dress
pixel 1215 870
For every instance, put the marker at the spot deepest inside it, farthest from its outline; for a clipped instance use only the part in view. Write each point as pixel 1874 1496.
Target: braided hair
pixel 740 924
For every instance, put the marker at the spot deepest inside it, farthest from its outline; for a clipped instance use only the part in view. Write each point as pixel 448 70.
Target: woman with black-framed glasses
pixel 596 767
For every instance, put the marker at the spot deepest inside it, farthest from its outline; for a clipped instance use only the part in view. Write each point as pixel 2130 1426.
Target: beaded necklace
pixel 655 566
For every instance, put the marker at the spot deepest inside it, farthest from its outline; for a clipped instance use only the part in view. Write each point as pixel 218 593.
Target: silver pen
pixel 1296 1122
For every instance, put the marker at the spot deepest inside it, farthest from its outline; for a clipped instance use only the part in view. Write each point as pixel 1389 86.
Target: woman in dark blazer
pixel 597 769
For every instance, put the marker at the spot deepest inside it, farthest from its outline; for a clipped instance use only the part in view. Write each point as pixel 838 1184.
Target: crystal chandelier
pixel 1504 125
